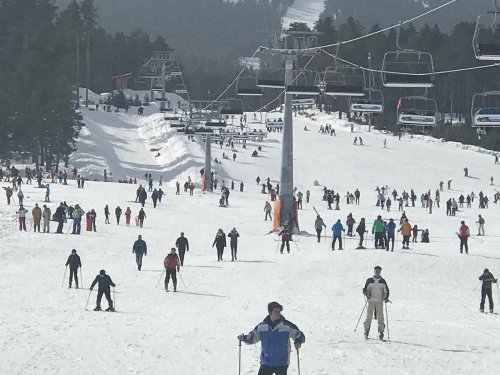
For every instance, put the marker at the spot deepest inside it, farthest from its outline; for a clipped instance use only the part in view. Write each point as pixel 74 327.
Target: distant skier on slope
pixel 220 244
pixel 318 225
pixel 182 244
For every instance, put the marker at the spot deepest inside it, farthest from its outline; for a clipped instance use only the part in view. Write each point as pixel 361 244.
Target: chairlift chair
pixel 343 81
pixel 271 78
pixel 485 109
pixel 232 106
pixel 373 102
pixel 303 84
pixel 408 68
pixel 247 86
pixel 486 39
pixel 417 111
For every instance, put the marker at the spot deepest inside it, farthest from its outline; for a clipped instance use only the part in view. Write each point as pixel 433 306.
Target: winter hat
pixel 486 270
pixel 274 305
pixel 73 251
pixel 102 272
pixel 377 268
pixel 220 231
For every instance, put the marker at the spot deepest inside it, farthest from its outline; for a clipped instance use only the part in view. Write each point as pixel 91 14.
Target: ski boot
pixel 491 311
pixel 366 335
pixel 76 287
pixel 110 308
pixel 69 287
pixel 97 308
pixel 381 336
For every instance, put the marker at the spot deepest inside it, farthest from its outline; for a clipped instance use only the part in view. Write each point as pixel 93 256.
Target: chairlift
pixel 343 81
pixel 247 86
pixel 303 84
pixel 407 68
pixel 486 39
pixel 180 89
pixel 417 111
pixel 232 106
pixel 271 78
pixel 485 109
pixel 373 102
pixel 203 131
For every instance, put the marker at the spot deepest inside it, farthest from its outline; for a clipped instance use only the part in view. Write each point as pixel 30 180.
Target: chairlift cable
pixel 411 74
pixel 399 24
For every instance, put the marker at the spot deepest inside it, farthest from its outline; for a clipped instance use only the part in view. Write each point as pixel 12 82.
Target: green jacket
pixel 378 226
pixel 319 224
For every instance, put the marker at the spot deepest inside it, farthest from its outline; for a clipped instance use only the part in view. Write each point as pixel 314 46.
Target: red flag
pixel 400 104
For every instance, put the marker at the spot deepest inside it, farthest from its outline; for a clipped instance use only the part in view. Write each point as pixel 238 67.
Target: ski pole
pixel 161 276
pixel 364 307
pixel 498 294
pixel 298 361
pixel 114 300
pixel 88 300
pixel 182 280
pixel 64 277
pixel 239 358
pixel 81 277
pixel 387 318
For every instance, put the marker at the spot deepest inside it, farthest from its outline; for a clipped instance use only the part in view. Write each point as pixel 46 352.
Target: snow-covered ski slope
pixel 434 323
pixel 306 11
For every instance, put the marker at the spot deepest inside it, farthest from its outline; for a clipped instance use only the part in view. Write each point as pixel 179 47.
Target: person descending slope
pixel 105 283
pixel 220 244
pixel 140 249
pixel 337 230
pixel 376 292
pixel 318 225
pixel 172 264
pixel 361 230
pixel 487 278
pixel 274 333
pixel 73 262
pixel 182 244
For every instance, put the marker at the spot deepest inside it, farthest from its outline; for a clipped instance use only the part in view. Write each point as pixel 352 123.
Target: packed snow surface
pixel 434 323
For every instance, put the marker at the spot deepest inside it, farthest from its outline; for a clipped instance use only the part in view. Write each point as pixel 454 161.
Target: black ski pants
pixel 270 370
pixel 268 214
pixel 406 241
pixel 138 260
pixel 220 252
pixel 335 238
pixel 361 239
pixel 283 243
pixel 318 233
pixel 486 292
pixel 60 226
pixel 107 293
pixel 379 240
pixel 170 272
pixel 182 252
pixel 234 250
pixel 73 273
pixel 463 243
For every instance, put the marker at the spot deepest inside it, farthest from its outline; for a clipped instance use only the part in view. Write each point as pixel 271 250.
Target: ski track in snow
pixel 433 320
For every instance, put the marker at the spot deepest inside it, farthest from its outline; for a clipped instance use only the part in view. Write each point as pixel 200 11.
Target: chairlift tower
pixel 291 45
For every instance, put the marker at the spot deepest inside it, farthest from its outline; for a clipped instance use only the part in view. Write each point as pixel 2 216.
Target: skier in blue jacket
pixel 337 230
pixel 275 333
pixel 391 230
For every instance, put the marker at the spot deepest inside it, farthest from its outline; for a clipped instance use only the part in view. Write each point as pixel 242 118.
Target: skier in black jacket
pixel 233 235
pixel 60 215
pixel 487 278
pixel 74 262
pixel 140 249
pixel 220 244
pixel 182 245
pixel 104 288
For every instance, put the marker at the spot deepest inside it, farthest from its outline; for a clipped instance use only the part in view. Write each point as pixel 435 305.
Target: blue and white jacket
pixel 275 338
